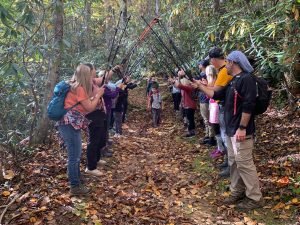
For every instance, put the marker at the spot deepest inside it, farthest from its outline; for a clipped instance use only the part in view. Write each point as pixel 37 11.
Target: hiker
pixel 211 74
pixel 119 108
pixel 110 93
pixel 204 105
pixel 129 86
pixel 239 103
pixel 217 59
pixel 189 104
pixel 176 96
pixel 74 121
pixel 96 128
pixel 155 104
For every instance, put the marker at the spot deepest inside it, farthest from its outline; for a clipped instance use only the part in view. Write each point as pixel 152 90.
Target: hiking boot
pixel 211 141
pixel 79 190
pixel 190 134
pixel 232 199
pixel 223 165
pixel 249 204
pixel 101 162
pixel 95 172
pixel 204 140
pixel 225 173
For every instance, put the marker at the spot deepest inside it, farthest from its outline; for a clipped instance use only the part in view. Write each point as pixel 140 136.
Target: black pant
pixel 176 100
pixel 216 128
pixel 112 119
pixel 125 106
pixel 190 114
pixel 97 137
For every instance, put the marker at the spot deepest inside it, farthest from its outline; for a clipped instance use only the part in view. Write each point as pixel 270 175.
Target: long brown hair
pixel 82 77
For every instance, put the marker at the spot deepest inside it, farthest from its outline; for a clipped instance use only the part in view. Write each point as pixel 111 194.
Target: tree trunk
pixel 292 76
pixel 88 42
pixel 216 5
pixel 124 11
pixel 157 7
pixel 42 129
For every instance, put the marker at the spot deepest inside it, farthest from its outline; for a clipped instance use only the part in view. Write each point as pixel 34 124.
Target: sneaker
pixel 249 204
pixel 190 134
pixel 217 154
pixel 214 152
pixel 109 142
pixel 232 199
pixel 212 141
pixel 225 173
pixel 204 140
pixel 101 162
pixel 79 190
pixel 94 172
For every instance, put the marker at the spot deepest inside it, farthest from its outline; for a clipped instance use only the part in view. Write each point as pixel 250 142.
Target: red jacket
pixel 188 102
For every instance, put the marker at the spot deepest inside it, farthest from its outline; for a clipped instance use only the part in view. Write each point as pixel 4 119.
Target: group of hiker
pixel 225 91
pixel 93 104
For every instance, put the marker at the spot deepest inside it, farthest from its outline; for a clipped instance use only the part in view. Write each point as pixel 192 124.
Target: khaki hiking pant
pixel 243 175
pixel 204 111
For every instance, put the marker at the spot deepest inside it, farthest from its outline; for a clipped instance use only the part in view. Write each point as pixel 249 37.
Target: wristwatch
pixel 241 127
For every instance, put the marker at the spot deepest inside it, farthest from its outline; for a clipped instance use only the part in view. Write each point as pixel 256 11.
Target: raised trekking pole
pixel 161 42
pixel 120 40
pixel 172 43
pixel 139 40
pixel 113 41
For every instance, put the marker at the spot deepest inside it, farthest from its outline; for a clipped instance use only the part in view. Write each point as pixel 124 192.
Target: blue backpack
pixel 55 109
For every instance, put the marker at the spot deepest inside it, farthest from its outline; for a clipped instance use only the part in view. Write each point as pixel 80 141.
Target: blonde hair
pixel 82 77
pixel 185 81
pixel 211 74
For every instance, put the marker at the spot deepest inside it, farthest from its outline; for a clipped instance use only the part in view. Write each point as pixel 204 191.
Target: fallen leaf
pixel 6 193
pixel 9 175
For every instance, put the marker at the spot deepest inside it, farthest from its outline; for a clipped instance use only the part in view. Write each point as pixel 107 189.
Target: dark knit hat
pixel 216 53
pixel 203 63
pixel 155 85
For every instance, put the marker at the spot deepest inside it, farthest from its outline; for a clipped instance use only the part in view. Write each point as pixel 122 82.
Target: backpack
pixel 263 96
pixel 194 94
pixel 55 109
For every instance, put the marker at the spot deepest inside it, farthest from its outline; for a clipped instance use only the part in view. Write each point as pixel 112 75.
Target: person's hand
pixel 194 85
pixel 181 73
pixel 204 81
pixel 117 68
pixel 100 92
pixel 240 135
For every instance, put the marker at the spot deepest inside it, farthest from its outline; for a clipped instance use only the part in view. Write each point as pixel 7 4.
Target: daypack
pixel 263 96
pixel 194 94
pixel 55 109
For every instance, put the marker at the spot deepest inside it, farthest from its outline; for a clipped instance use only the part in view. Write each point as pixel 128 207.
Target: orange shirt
pixel 73 97
pixel 223 77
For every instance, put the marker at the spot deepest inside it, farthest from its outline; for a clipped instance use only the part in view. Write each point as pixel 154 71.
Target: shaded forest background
pixel 43 41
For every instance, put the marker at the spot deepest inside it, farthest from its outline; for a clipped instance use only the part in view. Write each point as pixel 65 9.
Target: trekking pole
pixel 172 43
pixel 159 63
pixel 163 44
pixel 113 41
pixel 121 37
pixel 140 39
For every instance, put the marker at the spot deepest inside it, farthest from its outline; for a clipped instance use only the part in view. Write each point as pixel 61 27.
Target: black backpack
pixel 263 96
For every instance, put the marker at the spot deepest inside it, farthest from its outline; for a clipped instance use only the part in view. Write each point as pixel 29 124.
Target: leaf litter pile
pixel 156 177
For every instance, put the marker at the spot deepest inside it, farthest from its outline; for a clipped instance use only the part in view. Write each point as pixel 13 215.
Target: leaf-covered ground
pixel 156 177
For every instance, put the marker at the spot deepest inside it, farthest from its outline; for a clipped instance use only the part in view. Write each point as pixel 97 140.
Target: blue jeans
pixel 72 140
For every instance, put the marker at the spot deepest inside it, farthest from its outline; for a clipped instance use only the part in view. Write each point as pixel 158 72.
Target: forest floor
pixel 156 177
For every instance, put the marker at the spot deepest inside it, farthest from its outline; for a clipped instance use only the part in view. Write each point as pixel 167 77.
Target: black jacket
pixel 236 104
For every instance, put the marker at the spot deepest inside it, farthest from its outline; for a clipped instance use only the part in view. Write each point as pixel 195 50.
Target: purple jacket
pixel 108 96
